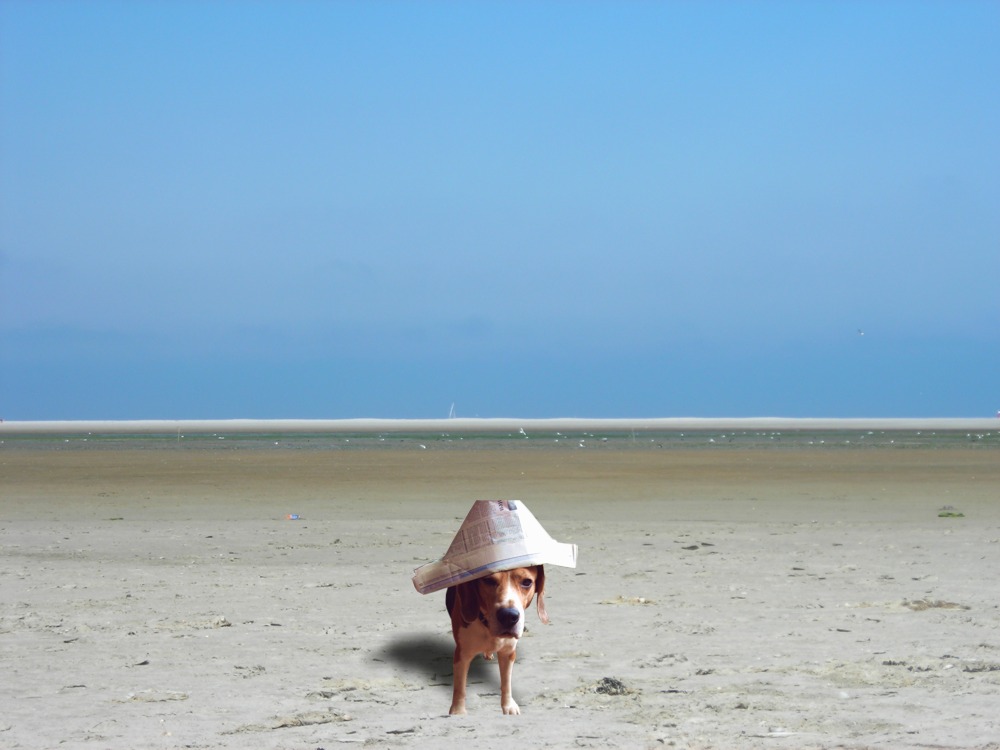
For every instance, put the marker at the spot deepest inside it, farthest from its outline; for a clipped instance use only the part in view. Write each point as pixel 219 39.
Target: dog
pixel 487 617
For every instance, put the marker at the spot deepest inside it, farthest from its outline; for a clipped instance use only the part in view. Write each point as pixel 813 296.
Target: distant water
pixel 842 439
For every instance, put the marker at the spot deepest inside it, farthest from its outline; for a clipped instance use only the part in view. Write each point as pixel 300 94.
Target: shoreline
pixel 469 425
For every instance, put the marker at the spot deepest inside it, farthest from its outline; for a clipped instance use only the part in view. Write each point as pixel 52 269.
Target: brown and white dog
pixel 487 617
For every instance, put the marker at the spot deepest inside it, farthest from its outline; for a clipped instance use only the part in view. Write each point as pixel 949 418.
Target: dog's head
pixel 501 599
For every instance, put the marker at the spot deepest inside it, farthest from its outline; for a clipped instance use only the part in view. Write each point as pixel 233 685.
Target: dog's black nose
pixel 508 617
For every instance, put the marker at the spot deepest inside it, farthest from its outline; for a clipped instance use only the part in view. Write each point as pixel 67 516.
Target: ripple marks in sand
pixel 309 718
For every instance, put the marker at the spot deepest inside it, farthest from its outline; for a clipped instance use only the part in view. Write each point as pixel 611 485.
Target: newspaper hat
pixel 496 535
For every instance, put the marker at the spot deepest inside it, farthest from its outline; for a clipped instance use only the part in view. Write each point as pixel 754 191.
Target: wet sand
pixel 798 597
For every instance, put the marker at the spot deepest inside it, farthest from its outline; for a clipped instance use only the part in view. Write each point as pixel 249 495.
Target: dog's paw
pixel 457 709
pixel 511 708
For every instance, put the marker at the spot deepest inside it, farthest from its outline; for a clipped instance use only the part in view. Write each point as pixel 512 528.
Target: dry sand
pixel 736 598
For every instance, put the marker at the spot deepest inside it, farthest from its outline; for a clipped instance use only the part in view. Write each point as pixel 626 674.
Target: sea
pixel 618 439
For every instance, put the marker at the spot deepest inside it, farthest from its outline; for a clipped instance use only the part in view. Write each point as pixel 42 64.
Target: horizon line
pixel 374 425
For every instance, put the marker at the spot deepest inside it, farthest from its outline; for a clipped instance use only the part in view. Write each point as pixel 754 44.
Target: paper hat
pixel 496 535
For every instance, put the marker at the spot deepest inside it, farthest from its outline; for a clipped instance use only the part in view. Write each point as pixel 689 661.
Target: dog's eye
pixel 527 583
pixel 492 582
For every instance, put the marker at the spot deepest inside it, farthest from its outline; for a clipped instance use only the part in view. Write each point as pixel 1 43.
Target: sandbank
pixel 726 597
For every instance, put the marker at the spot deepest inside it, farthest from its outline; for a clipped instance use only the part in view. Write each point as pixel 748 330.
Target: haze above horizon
pixel 336 210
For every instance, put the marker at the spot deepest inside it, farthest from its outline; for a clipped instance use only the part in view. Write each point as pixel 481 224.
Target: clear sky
pixel 595 209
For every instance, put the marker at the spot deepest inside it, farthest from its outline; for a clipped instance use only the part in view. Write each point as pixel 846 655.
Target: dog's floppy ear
pixel 468 601
pixel 540 593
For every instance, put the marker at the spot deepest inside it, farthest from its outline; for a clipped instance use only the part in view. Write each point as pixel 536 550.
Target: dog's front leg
pixel 460 667
pixel 506 659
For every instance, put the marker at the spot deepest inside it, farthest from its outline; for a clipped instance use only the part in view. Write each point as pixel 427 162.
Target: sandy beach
pixel 157 594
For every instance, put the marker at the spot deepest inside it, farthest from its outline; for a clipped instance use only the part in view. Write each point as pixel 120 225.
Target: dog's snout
pixel 508 617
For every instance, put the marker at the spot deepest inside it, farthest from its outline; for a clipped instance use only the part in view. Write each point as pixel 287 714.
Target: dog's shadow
pixel 431 658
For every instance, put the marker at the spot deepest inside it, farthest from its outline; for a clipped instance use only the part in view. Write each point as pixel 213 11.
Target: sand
pixel 726 597
pixel 481 425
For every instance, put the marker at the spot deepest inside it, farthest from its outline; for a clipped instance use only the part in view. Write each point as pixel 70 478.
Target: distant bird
pixel 860 332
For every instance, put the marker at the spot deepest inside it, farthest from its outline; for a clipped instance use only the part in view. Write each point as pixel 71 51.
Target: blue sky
pixel 599 209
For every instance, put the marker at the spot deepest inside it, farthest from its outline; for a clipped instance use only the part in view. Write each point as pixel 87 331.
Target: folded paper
pixel 496 535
